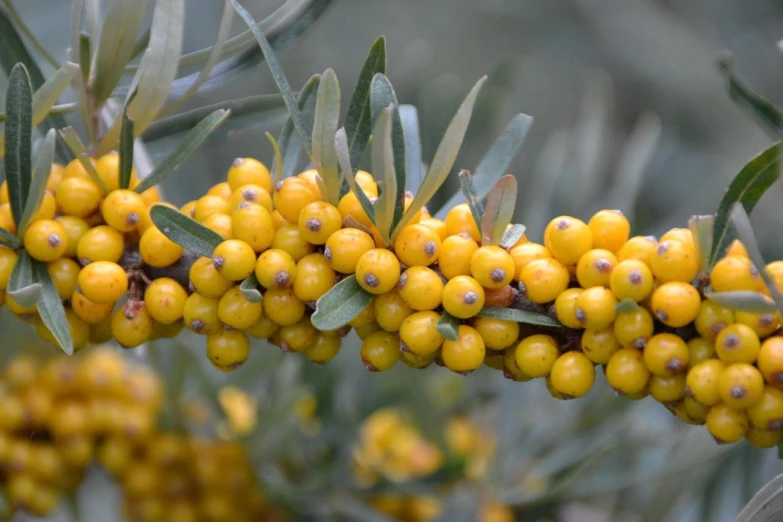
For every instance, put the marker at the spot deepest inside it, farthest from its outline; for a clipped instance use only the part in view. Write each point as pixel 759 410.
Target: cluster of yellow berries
pixel 54 415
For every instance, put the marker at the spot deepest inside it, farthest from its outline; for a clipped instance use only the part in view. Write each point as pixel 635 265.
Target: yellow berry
pixel 536 355
pixel 627 373
pixel 737 343
pixel 763 324
pixel 497 333
pixel 234 259
pixel 631 279
pixel 89 312
pixel 8 258
pixel 314 277
pixel 437 225
pixel 633 329
pixel 122 210
pixel 349 206
pixel 595 307
pixel 417 245
pixel 221 190
pixel 666 354
pixel 390 311
pixel 296 337
pixel 344 248
pixel 770 361
pixel 419 333
pixel 45 240
pixel 209 205
pixel 291 195
pixel 46 208
pixel 131 326
pixel 246 171
pixel 378 270
pixel 459 220
pixel 573 374
pixel 64 273
pixel 492 267
pixel 101 243
pixel 767 413
pixel 763 438
pixel 318 221
pixel 78 197
pixel 676 304
pixel 290 239
pixel 700 349
pixel 463 297
pixel 568 239
pixel 157 250
pixel 725 424
pixel 103 282
pixel 565 307
pixel 735 273
pixel 74 229
pixel 275 269
pixel 251 194
pixel 283 307
pixel 703 381
pixel 544 279
pixel 674 260
pixel 610 229
pixel 599 345
pixel 667 389
pixel 201 314
pixel 712 319
pixel 455 255
pixel 741 386
pixel 595 267
pixel 524 254
pixel 466 353
pixel 421 288
pixel 323 349
pixel 165 300
pixel 227 350
pixel 263 328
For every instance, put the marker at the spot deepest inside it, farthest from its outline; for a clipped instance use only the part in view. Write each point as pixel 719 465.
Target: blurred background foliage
pixel 630 112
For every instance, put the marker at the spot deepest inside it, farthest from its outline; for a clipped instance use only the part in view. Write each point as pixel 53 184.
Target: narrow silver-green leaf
pixel 471 196
pixel 754 103
pixel 383 167
pixel 519 316
pixel 445 155
pixel 499 210
pixel 22 285
pixel 625 306
pixel 279 77
pixel 344 157
pixel 358 122
pixel 51 309
pixel 381 96
pixel 126 149
pixel 290 144
pixel 340 305
pixel 409 117
pixel 496 161
pixel 512 235
pixel 186 232
pixel 741 224
pixel 325 123
pixel 120 29
pixel 766 505
pixel 702 228
pixel 184 149
pixel 8 239
pixel 744 301
pixel 85 52
pixel 18 136
pixel 71 138
pixel 42 169
pixel 76 37
pixel 448 327
pixel 277 164
pixel 249 288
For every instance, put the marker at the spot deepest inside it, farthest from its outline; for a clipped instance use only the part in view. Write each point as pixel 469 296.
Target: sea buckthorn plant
pixel 90 254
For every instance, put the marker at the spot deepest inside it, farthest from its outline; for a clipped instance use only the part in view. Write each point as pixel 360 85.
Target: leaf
pixel 42 169
pixel 448 327
pixel 625 306
pixel 471 196
pixel 279 77
pixel 8 239
pixel 85 52
pixel 344 157
pixel 249 288
pixel 499 210
pixel 18 135
pixel 126 149
pixel 702 228
pixel 745 97
pixel 120 28
pixel 745 301
pixel 519 316
pixel 184 149
pixel 766 505
pixel 409 117
pixel 184 231
pixel 747 188
pixel 51 309
pixel 47 95
pixel 290 144
pixel 71 138
pixel 383 167
pixel 358 122
pixel 277 164
pixel 496 161
pixel 741 223
pixel 445 155
pixel 22 285
pixel 325 123
pixel 340 305
pixel 512 235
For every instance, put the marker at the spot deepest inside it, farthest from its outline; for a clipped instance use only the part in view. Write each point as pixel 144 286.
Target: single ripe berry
pixel 367 183
pixel 459 220
pixel 438 225
pixel 735 273
pixel 737 343
pixel 421 288
pixel 45 240
pixel 103 282
pixel 767 413
pixel 74 228
pixel 296 337
pixel 390 311
pixel 365 317
pixel 763 438
pixel 245 171
pixel 676 304
pixel 165 300
pixel 667 390
pixel 466 353
pixel 8 259
pixel 89 312
pixel 283 307
pixel 46 208
pixel 378 270
pixel 565 307
pixel 234 259
pixel 463 297
pixel 524 254
pixel 291 195
pixel 595 307
pixel 419 333
pixel 455 255
pixel 573 374
pixel 599 345
pixel 726 424
pixel 674 260
pixel 209 205
pixel 700 349
pixel 253 225
pixel 275 269
pixel 201 314
pixel 703 382
pixel 222 190
pixel 568 238
pixel 64 273
pixel 595 267
pixel 107 167
pixel 763 324
pixel 318 221
pixel 6 219
pixel 350 206
pixel 228 349
pixel 666 354
pixel 314 277
pixel 633 329
pixel 264 328
pixel 323 349
pixel 492 267
pixel 78 197
pixel 536 355
pixel 679 234
pixel 544 279
pixel 712 319
pixel 631 279
pixel 131 326
pixel 417 245
pixel 610 229
pixel 627 373
pixel 497 333
pixel 122 209
pixel 252 194
pixel 344 248
pixel 741 386
pixel 770 361
pixel 289 239
pixel 380 351
pixel 101 243
pixel 157 250
pixel 696 413
pixel 221 224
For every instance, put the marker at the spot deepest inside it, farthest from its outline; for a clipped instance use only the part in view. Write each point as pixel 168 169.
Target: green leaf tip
pixel 499 210
pixel 448 327
pixel 519 316
pixel 340 305
pixel 249 289
pixel 743 301
pixel 626 305
pixel 51 309
pixel 18 138
pixel 325 123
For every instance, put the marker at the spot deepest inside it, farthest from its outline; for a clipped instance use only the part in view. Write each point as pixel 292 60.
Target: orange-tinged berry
pixel 524 254
pixel 291 195
pixel 610 229
pixel 101 243
pixel 227 350
pixel 246 171
pixel 455 255
pixel 459 220
pixel 674 260
pixel 544 279
pixel 344 248
pixel 417 245
pixel 737 343
pixel 466 353
pixel 221 190
pixel 595 268
pixel 421 288
pixel 45 240
pixel 103 282
pixel 666 354
pixel 572 375
pixel 463 297
pixel 378 270
pixel 676 304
